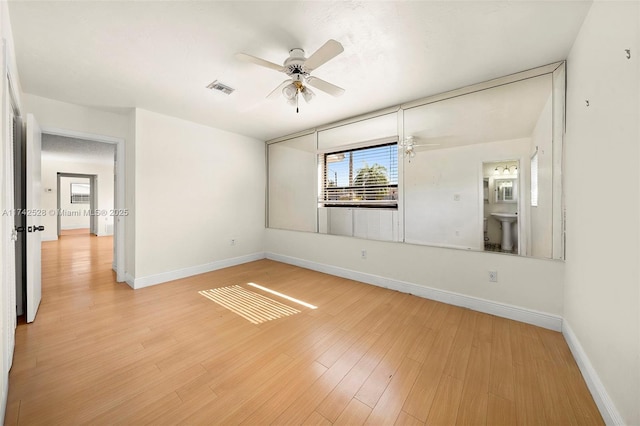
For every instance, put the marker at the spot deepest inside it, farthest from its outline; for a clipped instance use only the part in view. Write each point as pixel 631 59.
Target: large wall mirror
pixel 477 170
pixel 292 189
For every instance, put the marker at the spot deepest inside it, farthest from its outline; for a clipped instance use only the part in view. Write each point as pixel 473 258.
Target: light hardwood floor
pixel 75 231
pixel 101 353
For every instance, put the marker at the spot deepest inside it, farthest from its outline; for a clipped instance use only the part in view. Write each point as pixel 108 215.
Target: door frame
pixel 93 199
pixel 19 196
pixel 119 200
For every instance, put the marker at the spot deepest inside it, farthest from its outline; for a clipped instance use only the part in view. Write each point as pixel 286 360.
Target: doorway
pixel 501 199
pixel 99 155
pixel 99 225
pixel 77 204
pixel 81 156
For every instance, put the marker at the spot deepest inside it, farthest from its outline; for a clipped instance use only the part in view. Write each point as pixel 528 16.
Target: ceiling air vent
pixel 216 85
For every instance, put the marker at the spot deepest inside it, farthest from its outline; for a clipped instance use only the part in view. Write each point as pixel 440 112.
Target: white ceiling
pixel 160 55
pixel 62 148
pixel 506 112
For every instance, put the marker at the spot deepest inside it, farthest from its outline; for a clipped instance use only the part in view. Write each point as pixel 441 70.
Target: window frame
pixel 77 197
pixel 324 175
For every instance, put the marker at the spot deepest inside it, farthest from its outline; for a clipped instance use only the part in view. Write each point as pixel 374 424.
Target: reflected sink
pixel 507 219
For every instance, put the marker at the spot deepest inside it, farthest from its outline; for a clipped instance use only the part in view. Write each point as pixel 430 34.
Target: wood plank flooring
pixel 76 231
pixel 101 353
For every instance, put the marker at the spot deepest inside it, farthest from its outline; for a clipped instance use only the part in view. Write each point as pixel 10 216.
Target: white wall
pixel 373 224
pixel 63 115
pixel 130 197
pixel 196 189
pixel 524 282
pixel 50 169
pixel 602 291
pixel 434 178
pixel 72 215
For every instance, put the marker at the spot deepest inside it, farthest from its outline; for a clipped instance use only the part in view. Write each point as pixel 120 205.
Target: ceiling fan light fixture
pixel 298 68
pixel 289 91
pixel 307 94
pixel 408 150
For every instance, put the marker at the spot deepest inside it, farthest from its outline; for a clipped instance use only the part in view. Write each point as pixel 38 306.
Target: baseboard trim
pixel 121 277
pixel 5 397
pixel 529 316
pixel 129 280
pixel 164 277
pixel 607 408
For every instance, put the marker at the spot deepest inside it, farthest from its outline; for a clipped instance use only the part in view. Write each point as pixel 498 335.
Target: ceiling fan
pixel 409 145
pixel 299 68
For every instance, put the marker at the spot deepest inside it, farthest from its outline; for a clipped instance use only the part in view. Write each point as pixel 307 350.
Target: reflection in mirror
pixel 500 218
pixel 292 184
pixel 506 190
pixel 359 194
pixel 476 169
pixel 80 193
pixel 469 155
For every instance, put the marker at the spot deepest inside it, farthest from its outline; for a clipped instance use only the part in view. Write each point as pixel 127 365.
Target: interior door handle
pixel 35 228
pixel 20 229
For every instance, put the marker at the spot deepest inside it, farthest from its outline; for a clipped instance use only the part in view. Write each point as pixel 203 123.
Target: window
pixel 534 179
pixel 80 193
pixel 363 177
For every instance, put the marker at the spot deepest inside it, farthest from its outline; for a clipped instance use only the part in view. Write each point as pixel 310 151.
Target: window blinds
pixel 363 177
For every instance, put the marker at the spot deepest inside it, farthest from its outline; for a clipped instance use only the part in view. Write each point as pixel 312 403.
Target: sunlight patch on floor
pixel 251 306
pixel 284 296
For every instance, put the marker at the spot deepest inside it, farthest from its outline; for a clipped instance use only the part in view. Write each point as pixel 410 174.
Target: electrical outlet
pixel 232 242
pixel 493 276
pixel 363 254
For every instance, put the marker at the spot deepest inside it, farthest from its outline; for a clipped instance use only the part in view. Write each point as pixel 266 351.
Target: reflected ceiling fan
pixel 409 145
pixel 299 68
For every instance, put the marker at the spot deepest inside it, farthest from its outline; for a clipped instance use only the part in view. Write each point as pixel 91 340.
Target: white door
pixel 34 217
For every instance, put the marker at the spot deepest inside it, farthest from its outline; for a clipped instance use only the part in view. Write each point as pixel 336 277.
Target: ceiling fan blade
pixel 278 90
pixel 248 58
pixel 325 86
pixel 328 51
pixel 411 141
